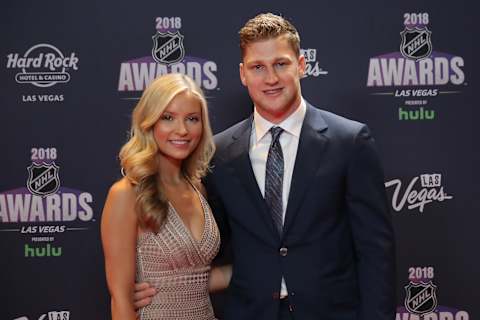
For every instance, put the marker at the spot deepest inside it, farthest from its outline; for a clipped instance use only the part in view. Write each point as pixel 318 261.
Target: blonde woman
pixel 157 227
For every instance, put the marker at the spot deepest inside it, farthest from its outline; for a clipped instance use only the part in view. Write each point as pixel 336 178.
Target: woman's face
pixel 179 128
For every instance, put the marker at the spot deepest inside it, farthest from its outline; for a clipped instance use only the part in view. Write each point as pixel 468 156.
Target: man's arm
pixel 219 278
pixel 143 294
pixel 372 231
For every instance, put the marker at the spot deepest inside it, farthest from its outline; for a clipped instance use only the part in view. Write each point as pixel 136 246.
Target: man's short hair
pixel 268 26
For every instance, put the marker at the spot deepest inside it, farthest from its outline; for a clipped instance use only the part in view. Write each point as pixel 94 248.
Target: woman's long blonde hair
pixel 138 157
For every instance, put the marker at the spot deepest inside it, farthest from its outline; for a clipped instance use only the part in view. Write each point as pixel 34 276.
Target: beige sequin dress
pixel 178 266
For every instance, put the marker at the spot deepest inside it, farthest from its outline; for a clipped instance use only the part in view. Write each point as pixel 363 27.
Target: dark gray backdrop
pixel 57 273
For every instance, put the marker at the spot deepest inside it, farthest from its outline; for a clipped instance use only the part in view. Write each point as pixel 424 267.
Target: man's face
pixel 271 71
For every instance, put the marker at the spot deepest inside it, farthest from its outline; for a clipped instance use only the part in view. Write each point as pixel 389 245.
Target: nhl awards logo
pixel 168 55
pixel 415 74
pixel 416 64
pixel 42 211
pixel 168 47
pixel 416 43
pixel 43 178
pixel 44 199
pixel 421 301
pixel 420 297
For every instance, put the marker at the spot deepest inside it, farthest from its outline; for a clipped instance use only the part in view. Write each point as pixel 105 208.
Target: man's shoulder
pixel 337 124
pixel 225 137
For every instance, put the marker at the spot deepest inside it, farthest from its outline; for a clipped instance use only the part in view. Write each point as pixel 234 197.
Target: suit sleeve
pixel 219 212
pixel 372 231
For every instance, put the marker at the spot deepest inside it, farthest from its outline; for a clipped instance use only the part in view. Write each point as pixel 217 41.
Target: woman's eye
pixel 193 119
pixel 167 117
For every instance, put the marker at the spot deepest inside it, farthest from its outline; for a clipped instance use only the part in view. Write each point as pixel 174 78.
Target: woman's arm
pixel 119 238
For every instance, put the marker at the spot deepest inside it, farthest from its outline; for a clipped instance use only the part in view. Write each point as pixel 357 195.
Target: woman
pixel 156 225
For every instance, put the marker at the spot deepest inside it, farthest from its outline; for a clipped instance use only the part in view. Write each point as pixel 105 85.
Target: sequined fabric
pixel 178 266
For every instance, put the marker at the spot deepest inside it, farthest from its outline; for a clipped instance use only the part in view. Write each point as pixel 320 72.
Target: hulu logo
pixel 418 114
pixel 43 251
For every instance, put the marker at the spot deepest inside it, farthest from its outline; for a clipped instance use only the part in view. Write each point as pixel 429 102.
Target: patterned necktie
pixel 274 179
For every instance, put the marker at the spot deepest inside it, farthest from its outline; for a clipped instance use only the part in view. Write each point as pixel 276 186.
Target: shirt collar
pixel 292 124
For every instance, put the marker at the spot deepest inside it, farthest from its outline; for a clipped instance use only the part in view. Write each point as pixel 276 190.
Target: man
pixel 303 205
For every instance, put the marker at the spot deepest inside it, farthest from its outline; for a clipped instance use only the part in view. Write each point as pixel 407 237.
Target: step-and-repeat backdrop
pixel 71 72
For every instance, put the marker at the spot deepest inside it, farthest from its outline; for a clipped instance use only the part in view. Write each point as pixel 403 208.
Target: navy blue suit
pixel 337 249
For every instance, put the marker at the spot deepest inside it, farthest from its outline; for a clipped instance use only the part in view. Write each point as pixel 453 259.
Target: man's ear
pixel 241 69
pixel 301 65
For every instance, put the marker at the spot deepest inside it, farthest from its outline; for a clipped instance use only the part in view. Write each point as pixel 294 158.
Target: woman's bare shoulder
pixel 122 188
pixel 122 195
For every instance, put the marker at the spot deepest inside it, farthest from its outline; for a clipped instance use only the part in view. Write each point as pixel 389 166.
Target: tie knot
pixel 275 132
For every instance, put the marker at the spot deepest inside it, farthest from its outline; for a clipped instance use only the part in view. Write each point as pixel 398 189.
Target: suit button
pixel 283 251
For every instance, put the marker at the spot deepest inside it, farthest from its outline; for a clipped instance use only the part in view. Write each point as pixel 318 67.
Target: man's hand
pixel 143 295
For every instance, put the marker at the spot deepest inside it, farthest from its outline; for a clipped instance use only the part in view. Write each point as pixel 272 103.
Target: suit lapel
pixel 310 151
pixel 241 166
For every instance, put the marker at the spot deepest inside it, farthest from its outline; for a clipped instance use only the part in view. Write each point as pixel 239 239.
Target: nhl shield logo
pixel 421 297
pixel 416 43
pixel 168 47
pixel 43 179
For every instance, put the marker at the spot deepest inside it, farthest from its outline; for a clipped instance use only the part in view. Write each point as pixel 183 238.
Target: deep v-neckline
pixel 184 226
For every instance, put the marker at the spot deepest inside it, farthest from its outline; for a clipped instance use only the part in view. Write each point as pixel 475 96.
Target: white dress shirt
pixel 260 140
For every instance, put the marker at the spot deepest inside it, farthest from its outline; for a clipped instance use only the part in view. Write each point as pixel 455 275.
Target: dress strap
pixel 200 195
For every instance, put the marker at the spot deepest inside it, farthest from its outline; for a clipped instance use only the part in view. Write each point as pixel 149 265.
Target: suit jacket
pixel 336 252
